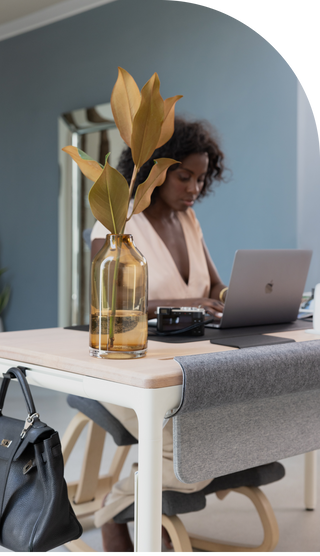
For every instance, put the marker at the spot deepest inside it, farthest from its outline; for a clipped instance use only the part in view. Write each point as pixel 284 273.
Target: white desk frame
pixel 150 405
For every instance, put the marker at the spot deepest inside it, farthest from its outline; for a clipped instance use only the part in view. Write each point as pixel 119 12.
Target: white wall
pixel 308 186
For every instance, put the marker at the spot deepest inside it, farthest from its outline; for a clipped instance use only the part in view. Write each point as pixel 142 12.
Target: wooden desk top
pixel 68 350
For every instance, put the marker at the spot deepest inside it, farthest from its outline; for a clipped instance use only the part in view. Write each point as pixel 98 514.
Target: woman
pixel 181 273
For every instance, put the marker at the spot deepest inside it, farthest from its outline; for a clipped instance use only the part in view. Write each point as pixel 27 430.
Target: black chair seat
pixel 100 415
pixel 254 477
pixel 174 503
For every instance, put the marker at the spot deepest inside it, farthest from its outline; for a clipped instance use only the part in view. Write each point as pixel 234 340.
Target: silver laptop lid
pixel 266 287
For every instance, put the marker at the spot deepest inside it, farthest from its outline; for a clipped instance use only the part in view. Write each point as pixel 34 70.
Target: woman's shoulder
pixel 189 217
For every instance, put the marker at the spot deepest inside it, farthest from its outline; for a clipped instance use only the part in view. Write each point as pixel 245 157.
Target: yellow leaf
pixel 125 101
pixel 147 122
pixel 168 122
pixel 109 198
pixel 156 177
pixel 89 167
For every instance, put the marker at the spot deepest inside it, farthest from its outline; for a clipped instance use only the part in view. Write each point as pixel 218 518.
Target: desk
pixel 59 359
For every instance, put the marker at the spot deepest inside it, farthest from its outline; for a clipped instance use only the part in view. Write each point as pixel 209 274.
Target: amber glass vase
pixel 119 286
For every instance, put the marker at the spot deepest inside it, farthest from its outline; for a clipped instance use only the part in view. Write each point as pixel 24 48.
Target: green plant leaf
pixel 156 177
pixel 89 167
pixel 109 198
pixel 125 101
pixel 167 128
pixel 4 298
pixel 147 122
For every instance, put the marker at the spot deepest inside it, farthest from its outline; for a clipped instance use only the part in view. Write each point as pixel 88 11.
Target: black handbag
pixel 36 514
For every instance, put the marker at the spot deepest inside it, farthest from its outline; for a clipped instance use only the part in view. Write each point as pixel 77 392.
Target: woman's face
pixel 184 184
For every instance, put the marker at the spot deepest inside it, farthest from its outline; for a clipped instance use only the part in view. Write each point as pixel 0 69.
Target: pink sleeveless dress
pixel 165 280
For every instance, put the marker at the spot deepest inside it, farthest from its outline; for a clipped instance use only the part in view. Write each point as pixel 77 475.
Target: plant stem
pixel 116 269
pixel 114 293
pixel 133 179
pixel 132 182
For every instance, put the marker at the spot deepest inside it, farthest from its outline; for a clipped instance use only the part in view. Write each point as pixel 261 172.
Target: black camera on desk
pixel 173 319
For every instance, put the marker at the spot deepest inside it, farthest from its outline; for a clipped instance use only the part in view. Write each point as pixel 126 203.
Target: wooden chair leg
pixel 177 533
pixel 72 434
pixel 88 481
pixel 268 520
pixel 84 491
pixel 118 462
pixel 87 493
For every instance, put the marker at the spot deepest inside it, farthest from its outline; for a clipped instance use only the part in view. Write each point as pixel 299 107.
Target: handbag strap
pixel 16 372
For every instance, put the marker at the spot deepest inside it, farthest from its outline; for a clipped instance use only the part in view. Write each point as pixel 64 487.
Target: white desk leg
pixel 310 480
pixel 150 406
pixel 149 483
pixel 151 411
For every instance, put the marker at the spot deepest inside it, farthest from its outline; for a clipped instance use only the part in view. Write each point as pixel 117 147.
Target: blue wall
pixel 227 74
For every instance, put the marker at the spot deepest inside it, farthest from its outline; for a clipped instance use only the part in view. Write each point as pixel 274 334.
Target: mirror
pixel 92 130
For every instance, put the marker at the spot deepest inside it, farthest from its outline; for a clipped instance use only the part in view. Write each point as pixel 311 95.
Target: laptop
pixel 266 287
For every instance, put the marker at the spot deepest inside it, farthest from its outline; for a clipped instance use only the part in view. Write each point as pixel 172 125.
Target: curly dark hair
pixel 188 138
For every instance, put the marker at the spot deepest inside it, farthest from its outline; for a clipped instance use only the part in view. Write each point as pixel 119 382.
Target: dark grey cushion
pixel 100 415
pixel 254 477
pixel 174 503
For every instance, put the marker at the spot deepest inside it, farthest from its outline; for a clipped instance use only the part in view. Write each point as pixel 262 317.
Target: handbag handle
pixel 16 372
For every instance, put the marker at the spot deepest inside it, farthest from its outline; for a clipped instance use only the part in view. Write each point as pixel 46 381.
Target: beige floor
pixel 232 519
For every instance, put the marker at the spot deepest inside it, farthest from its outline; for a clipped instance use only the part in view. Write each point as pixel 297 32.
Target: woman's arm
pixel 216 284
pixel 96 245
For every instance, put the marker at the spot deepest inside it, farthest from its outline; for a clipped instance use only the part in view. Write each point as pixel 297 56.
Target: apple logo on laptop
pixel 269 287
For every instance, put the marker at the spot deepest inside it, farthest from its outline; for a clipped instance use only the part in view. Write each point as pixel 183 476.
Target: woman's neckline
pixel 169 252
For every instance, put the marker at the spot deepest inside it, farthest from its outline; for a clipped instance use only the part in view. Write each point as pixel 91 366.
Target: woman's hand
pixel 212 306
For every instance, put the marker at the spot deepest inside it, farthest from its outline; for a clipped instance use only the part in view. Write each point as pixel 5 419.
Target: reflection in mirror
pixel 92 130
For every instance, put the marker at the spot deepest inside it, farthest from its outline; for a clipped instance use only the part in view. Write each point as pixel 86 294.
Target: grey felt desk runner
pixel 245 408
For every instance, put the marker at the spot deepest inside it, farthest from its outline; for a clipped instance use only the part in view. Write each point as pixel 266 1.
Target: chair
pixel 86 495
